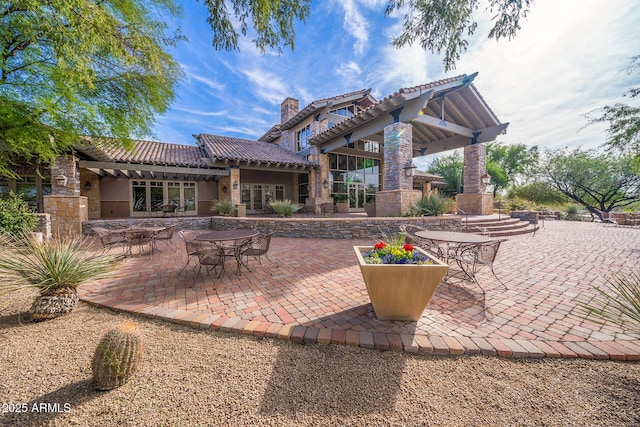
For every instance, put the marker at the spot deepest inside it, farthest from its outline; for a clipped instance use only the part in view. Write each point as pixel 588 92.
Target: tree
pixel 507 164
pixel 443 25
pixel 450 167
pixel 623 135
pixel 598 181
pixel 86 67
pixel 273 21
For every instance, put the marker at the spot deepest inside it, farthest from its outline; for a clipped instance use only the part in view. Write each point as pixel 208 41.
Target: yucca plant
pixel 55 267
pixel 620 306
pixel 284 208
pixel 431 205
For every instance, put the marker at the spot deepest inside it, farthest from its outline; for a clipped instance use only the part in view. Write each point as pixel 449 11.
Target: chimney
pixel 288 109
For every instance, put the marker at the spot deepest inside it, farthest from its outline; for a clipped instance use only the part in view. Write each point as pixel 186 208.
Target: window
pixel 255 196
pixel 354 178
pixel 302 138
pixel 348 111
pixel 150 196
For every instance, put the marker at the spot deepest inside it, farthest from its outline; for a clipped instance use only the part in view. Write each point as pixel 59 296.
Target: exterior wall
pixel 389 203
pixel 329 228
pixel 90 179
pixel 114 202
pixel 65 166
pixel 206 193
pixel 265 177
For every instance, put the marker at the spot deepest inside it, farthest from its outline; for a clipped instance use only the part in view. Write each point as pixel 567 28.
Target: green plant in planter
pixel 223 207
pixel 55 267
pixel 572 211
pixel 340 198
pixel 285 208
pixel 15 216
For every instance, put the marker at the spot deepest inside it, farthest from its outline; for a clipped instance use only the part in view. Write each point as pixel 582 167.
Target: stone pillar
pixel 426 188
pixel 65 205
pixel 90 188
pixel 288 109
pixel 317 192
pixel 398 193
pixel 474 199
pixel 234 181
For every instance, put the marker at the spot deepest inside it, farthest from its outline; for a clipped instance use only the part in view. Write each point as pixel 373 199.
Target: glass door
pixel 356 195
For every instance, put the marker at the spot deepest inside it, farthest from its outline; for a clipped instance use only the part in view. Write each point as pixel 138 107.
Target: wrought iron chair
pixel 108 239
pixel 471 256
pixel 190 245
pixel 409 230
pixel 211 256
pixel 138 237
pixel 169 209
pixel 166 234
pixel 259 248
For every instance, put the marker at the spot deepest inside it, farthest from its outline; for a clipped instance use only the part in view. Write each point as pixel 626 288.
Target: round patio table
pixel 225 235
pixel 452 236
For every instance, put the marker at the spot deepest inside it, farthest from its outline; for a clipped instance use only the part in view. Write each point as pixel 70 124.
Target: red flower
pixel 407 247
pixel 380 245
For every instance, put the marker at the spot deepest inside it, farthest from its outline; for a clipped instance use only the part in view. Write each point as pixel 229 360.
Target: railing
pixel 466 216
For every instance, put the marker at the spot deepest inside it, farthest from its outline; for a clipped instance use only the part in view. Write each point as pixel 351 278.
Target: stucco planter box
pixel 400 291
pixel 342 207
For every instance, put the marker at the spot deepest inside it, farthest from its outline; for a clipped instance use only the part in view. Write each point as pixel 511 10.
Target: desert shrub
pixel 223 207
pixel 15 216
pixel 620 306
pixel 540 193
pixel 431 205
pixel 284 208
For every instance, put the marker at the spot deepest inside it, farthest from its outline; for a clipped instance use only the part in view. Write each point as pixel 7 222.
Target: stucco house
pixel 350 146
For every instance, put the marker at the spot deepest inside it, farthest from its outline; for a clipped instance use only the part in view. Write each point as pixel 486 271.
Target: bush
pixel 540 193
pixel 15 216
pixel 431 205
pixel 223 207
pixel 573 209
pixel 284 208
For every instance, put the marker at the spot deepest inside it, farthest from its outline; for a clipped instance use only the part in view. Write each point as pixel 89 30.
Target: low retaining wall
pixel 331 228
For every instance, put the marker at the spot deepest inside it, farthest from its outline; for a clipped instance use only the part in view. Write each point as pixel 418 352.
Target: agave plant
pixel 56 268
pixel 620 306
pixel 284 208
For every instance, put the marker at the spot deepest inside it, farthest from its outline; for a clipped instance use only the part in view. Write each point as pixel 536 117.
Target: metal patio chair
pixel 259 247
pixel 470 257
pixel 108 239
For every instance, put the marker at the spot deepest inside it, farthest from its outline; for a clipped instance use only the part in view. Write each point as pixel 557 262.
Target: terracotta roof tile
pixel 149 152
pixel 236 149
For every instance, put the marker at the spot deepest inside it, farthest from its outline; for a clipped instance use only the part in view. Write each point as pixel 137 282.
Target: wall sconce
pixel 486 178
pixel 410 169
pixel 61 180
pixel 235 185
pixel 325 184
pixel 87 185
pixel 224 189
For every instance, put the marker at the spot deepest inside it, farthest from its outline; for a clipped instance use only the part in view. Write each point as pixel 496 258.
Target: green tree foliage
pixel 508 164
pixel 538 192
pixel 598 181
pixel 443 26
pixel 83 67
pixel 623 134
pixel 272 21
pixel 450 167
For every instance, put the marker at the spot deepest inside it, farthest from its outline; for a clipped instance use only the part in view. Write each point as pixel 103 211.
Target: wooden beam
pixel 139 168
pixel 444 125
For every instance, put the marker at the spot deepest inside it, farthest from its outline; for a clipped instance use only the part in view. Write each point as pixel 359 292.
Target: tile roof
pixel 236 149
pixel 148 152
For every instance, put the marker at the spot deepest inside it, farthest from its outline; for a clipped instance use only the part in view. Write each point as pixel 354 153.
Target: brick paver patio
pixel 317 295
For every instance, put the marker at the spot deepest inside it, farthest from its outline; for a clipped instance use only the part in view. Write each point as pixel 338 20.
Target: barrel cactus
pixel 117 357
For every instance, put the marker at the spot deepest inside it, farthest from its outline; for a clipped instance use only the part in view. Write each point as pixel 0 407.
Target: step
pixel 499 226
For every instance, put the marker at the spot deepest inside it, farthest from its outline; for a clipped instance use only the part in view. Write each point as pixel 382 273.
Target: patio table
pixel 231 241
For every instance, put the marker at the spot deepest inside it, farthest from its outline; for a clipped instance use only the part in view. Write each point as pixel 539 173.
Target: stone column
pixel 67 208
pixel 474 199
pixel 398 193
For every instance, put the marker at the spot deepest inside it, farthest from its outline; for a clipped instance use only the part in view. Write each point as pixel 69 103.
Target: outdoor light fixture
pixel 486 178
pixel 325 184
pixel 87 185
pixel 224 189
pixel 60 180
pixel 410 169
pixel 235 185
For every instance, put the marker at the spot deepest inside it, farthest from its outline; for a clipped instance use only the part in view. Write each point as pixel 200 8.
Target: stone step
pixel 499 227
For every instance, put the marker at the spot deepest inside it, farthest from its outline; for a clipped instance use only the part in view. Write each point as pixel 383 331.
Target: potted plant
pixel 55 267
pixel 400 278
pixel 342 202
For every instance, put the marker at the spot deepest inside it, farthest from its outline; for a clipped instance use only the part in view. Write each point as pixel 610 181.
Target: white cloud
pixel 204 80
pixel 268 86
pixel 354 23
pixel 201 113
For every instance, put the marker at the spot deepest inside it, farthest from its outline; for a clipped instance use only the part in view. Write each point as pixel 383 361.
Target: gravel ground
pixel 192 377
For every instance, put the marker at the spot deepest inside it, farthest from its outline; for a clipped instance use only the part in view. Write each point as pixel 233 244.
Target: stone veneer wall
pixel 67 214
pixel 330 228
pixel 44 225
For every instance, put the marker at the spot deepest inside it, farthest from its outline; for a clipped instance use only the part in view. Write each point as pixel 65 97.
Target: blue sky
pixel 567 60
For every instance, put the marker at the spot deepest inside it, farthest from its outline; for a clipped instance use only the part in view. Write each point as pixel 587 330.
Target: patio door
pixel 148 197
pixel 356 196
pixel 255 196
